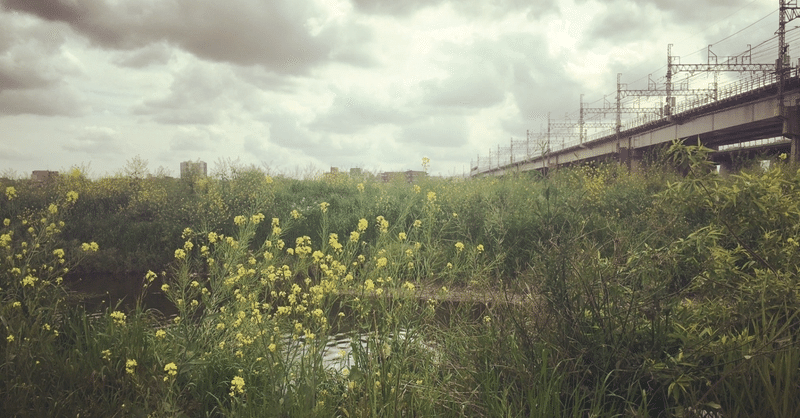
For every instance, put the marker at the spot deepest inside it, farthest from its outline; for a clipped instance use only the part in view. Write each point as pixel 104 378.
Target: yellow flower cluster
pixel 333 241
pixel 237 386
pixel 383 224
pixel 11 192
pixel 29 281
pixel 130 366
pixel 118 317
pixel 89 247
pixel 171 369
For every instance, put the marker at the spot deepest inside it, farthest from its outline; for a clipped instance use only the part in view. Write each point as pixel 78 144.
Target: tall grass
pixel 590 292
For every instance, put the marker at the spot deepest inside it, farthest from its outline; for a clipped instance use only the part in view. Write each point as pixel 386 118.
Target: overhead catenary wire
pixel 563 130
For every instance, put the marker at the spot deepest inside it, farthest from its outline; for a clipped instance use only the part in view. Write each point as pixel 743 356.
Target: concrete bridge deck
pixel 750 114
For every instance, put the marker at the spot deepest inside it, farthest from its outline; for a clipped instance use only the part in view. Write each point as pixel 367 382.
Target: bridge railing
pixel 507 156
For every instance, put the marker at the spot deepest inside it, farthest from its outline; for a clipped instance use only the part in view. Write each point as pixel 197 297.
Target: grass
pixel 613 294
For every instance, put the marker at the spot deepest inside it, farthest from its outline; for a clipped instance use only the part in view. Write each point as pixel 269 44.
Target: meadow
pixel 593 291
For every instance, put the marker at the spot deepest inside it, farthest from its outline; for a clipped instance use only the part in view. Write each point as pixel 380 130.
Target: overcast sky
pixel 293 84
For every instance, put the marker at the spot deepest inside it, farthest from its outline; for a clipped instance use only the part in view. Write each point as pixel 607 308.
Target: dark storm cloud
pixel 272 34
pixel 30 78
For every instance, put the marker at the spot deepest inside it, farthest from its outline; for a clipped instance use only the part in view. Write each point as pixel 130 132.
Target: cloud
pixel 448 132
pixel 95 140
pixel 272 34
pixel 470 87
pixel 473 8
pixel 153 54
pixel 62 101
pixel 188 140
pixel 200 94
pixel 355 111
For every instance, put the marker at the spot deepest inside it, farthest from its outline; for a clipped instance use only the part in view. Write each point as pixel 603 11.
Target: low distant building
pixel 194 168
pixel 409 176
pixel 44 176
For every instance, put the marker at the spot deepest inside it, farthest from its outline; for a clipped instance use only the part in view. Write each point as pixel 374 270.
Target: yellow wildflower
pixel 180 254
pixel 237 385
pixel 161 334
pixel 460 246
pixel 29 281
pixel 362 225
pixel 11 192
pixel 257 218
pixel 130 366
pixel 72 196
pixel 171 369
pixel 118 317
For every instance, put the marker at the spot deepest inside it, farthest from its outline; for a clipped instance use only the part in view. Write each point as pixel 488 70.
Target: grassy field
pixel 592 292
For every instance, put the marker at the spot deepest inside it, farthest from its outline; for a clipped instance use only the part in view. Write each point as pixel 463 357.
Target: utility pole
pixel 788 12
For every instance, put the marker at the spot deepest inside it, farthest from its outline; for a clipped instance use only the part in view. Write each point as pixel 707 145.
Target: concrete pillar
pixel 631 158
pixel 791 130
pixel 725 167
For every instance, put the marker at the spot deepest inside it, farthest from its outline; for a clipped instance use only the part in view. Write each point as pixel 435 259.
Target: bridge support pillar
pixel 725 167
pixel 631 157
pixel 791 130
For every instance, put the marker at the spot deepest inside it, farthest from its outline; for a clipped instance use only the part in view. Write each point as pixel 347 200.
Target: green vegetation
pixel 590 292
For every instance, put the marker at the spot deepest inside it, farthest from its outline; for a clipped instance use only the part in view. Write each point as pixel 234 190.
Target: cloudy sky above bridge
pixel 377 84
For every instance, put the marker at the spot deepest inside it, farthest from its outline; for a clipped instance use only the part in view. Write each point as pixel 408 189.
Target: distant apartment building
pixel 194 168
pixel 44 176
